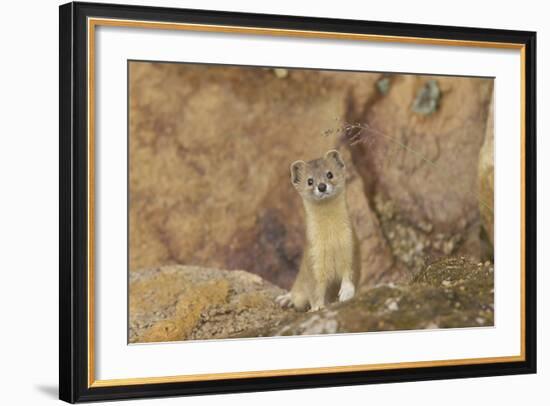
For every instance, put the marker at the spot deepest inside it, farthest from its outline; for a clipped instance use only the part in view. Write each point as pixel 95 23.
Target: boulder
pixel 450 293
pixel 418 157
pixel 175 303
pixel 210 151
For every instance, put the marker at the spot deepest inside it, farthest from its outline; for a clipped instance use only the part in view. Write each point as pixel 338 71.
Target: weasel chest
pixel 331 247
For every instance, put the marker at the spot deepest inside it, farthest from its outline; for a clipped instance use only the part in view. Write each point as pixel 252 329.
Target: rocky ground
pixel 189 303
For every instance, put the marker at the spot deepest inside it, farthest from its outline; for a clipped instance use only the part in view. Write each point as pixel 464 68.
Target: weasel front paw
pixel 284 300
pixel 347 291
pixel 316 308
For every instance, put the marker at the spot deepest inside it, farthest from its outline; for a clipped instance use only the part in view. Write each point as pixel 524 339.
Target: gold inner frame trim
pixel 94 22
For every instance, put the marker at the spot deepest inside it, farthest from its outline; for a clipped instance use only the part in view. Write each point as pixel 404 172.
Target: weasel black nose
pixel 322 187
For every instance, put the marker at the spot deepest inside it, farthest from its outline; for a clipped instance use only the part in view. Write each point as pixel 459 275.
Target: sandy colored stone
pixel 418 159
pixel 426 164
pixel 175 303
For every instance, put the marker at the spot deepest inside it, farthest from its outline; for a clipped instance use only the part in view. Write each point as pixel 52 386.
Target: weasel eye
pixel 329 175
pixel 310 181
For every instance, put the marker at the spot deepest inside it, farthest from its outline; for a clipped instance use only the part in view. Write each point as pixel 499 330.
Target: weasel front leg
pixel 298 296
pixel 319 295
pixel 293 299
pixel 284 300
pixel 347 290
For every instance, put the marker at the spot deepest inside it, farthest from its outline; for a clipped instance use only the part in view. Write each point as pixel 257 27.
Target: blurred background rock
pixel 210 149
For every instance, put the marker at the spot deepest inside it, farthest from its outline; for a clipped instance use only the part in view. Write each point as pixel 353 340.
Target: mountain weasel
pixel 331 260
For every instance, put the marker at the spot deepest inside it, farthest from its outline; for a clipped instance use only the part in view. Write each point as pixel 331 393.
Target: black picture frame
pixel 73 255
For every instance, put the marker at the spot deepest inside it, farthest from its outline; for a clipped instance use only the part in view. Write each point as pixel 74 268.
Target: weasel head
pixel 321 179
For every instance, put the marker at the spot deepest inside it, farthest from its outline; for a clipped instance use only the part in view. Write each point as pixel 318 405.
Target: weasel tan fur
pixel 331 260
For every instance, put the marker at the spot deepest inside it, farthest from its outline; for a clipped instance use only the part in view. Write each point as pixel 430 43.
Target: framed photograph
pixel 258 202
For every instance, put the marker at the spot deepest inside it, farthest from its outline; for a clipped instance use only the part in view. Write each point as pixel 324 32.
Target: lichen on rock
pixel 189 303
pixel 383 85
pixel 454 292
pixel 427 98
pixel 175 303
pixel 412 245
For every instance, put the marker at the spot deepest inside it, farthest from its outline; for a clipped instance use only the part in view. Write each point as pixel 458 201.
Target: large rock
pixel 210 151
pixel 176 303
pixel 418 157
pixel 427 164
pixel 453 292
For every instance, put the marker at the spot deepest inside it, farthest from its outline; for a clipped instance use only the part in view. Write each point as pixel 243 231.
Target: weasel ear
pixel 336 157
pixel 297 172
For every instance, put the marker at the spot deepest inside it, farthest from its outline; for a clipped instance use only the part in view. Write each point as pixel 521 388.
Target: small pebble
pixel 392 305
